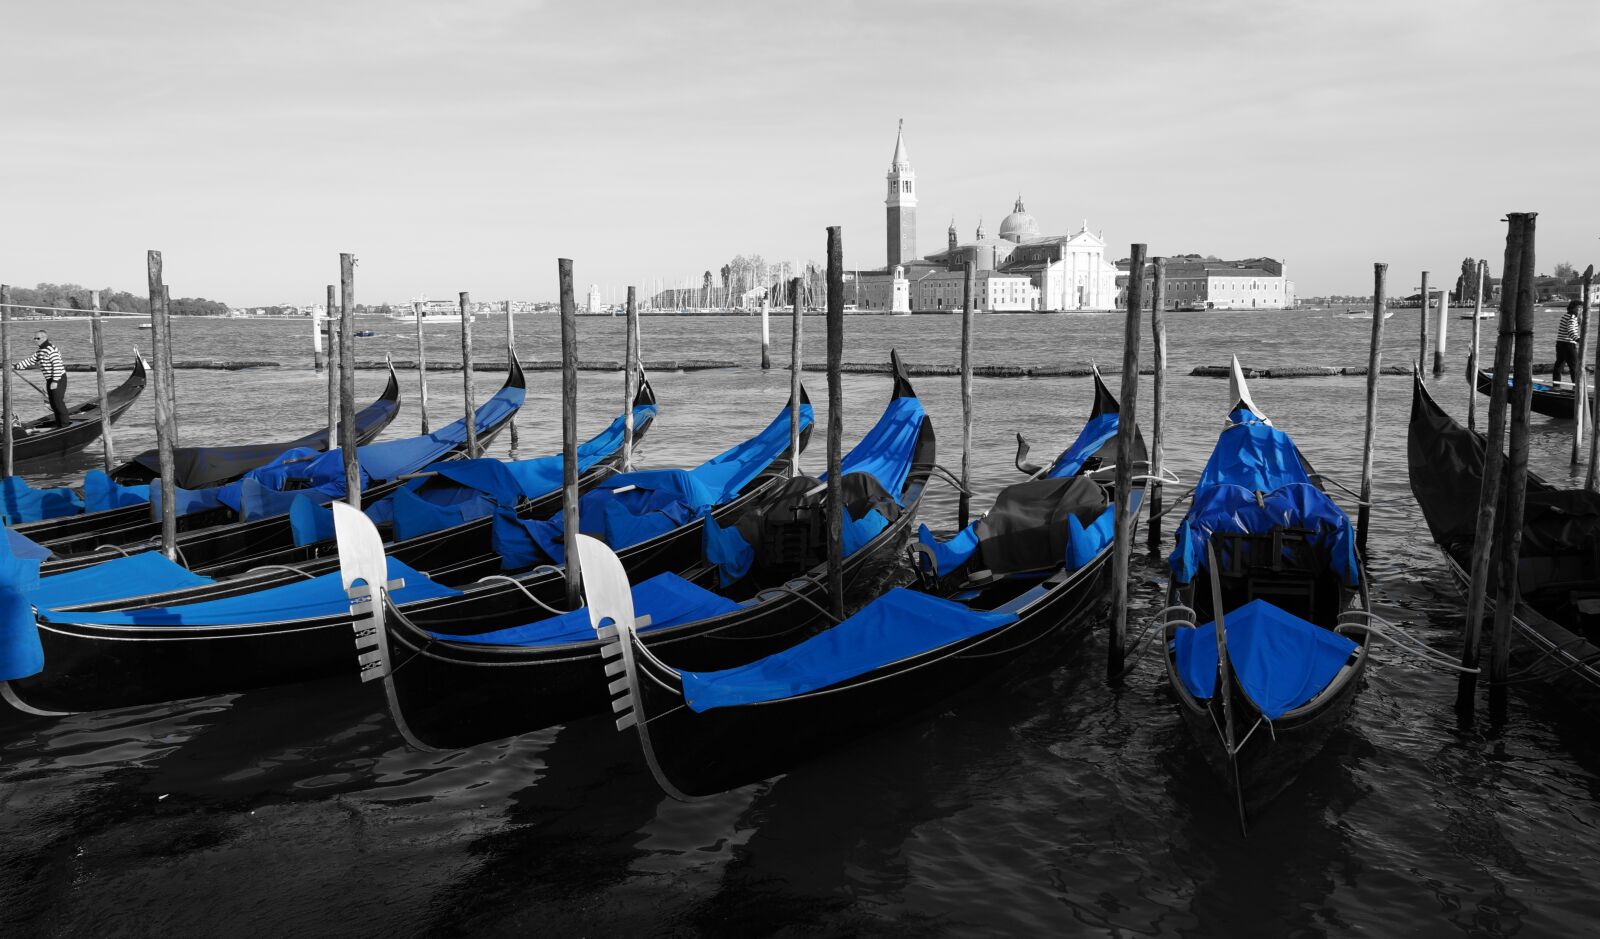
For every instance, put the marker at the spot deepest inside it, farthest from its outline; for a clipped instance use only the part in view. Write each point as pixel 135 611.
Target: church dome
pixel 1019 225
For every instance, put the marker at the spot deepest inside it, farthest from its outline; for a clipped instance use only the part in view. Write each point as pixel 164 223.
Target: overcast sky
pixel 465 146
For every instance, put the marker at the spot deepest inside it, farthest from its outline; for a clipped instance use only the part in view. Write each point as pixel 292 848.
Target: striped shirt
pixel 1568 330
pixel 46 360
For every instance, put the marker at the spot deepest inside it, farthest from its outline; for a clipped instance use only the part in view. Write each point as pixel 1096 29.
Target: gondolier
pixel 1567 343
pixel 48 361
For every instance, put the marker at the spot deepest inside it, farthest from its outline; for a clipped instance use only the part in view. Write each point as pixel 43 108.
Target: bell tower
pixel 902 203
pixel 954 241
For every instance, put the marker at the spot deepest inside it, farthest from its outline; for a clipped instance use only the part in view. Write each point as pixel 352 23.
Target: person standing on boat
pixel 1567 343
pixel 48 361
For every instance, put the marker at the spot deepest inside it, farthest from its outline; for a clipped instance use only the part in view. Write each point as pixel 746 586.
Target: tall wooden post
pixel 797 311
pixel 1422 353
pixel 1472 356
pixel 1507 592
pixel 9 416
pixel 1580 380
pixel 316 340
pixel 569 430
pixel 766 335
pixel 630 377
pixel 1127 422
pixel 1441 327
pixel 422 367
pixel 1158 351
pixel 335 368
pixel 172 375
pixel 466 376
pixel 109 455
pixel 347 379
pixel 963 506
pixel 511 352
pixel 835 420
pixel 160 352
pixel 1380 274
pixel 1483 539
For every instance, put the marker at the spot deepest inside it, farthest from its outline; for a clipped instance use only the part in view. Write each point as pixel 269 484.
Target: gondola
pixel 41 438
pixel 239 637
pixel 1555 628
pixel 203 467
pixel 1552 400
pixel 1274 667
pixel 1009 591
pixel 252 514
pixel 461 671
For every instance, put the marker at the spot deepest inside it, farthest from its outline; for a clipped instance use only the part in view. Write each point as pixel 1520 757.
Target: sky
pixel 467 146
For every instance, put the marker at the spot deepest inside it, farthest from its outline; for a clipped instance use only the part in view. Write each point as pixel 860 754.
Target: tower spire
pixel 901 203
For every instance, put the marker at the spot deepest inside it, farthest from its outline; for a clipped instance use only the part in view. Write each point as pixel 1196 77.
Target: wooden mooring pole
pixel 1580 380
pixel 1158 352
pixel 630 377
pixel 6 440
pixel 766 335
pixel 97 334
pixel 335 368
pixel 1422 351
pixel 466 376
pixel 160 352
pixel 347 379
pixel 1380 274
pixel 797 312
pixel 1472 356
pixel 1507 592
pixel 1127 421
pixel 317 323
pixel 511 353
pixel 964 503
pixel 569 431
pixel 1441 327
pixel 835 421
pixel 422 368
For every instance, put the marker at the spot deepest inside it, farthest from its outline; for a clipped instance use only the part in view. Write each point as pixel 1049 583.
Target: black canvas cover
pixel 788 530
pixel 1027 528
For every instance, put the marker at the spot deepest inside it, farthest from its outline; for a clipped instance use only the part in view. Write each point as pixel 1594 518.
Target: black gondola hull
pixel 1559 403
pixel 45 440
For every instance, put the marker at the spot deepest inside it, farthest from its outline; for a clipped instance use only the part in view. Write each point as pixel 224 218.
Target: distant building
pixel 594 304
pixel 1193 282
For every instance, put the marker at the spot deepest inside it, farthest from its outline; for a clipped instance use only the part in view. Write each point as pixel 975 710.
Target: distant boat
pixel 1367 314
pixel 1485 315
pixel 146 326
pixel 365 334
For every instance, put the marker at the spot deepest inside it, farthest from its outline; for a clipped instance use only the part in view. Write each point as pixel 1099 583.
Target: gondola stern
pixel 902 378
pixel 1239 390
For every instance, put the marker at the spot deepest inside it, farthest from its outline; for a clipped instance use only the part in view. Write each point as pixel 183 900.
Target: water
pixel 1046 802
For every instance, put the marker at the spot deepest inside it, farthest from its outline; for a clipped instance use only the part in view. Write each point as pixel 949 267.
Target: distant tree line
pixel 75 297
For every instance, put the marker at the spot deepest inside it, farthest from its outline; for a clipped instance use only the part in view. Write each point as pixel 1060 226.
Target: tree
pixel 1565 271
pixel 1467 283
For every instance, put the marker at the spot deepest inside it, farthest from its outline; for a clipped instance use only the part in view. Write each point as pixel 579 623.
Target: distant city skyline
pixel 466 147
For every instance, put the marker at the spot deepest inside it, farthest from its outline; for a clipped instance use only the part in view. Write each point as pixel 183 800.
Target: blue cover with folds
pixel 309 522
pixel 274 476
pixel 1253 454
pixel 102 493
pixel 887 449
pixel 20 502
pixel 1091 438
pixel 727 549
pixel 394 458
pixel 303 599
pixel 427 509
pixel 21 654
pixel 1237 509
pixel 24 547
pixel 542 475
pixel 949 555
pixel 137 575
pixel 668 599
pixel 1281 660
pixel 187 501
pixel 895 626
pixel 856 532
pixel 1084 543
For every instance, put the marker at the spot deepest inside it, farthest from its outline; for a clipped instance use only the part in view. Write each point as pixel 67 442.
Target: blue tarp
pixel 856 532
pixel 542 475
pixel 887 449
pixel 1237 509
pixel 273 477
pixel 24 547
pixel 20 502
pixel 949 555
pixel 303 599
pixel 727 549
pixel 187 501
pixel 1094 435
pixel 311 523
pixel 1084 543
pixel 393 458
pixel 1282 661
pixel 138 575
pixel 21 654
pixel 895 626
pixel 668 599
pixel 102 493
pixel 1252 454
pixel 425 510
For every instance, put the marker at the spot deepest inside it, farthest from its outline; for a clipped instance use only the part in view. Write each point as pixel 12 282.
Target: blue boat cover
pixel 1237 509
pixel 542 475
pixel 21 654
pixel 1253 454
pixel 887 449
pixel 304 599
pixel 668 599
pixel 101 492
pixel 1282 661
pixel 1091 438
pixel 24 547
pixel 1083 544
pixel 138 575
pixel 309 522
pixel 394 458
pixel 856 532
pixel 727 549
pixel 631 508
pixel 187 501
pixel 420 511
pixel 20 502
pixel 900 624
pixel 273 476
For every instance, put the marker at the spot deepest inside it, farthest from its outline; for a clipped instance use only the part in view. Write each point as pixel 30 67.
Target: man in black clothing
pixel 1567 343
pixel 48 361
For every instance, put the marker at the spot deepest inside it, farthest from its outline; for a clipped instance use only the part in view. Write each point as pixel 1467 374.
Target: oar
pixel 1225 683
pixel 32 385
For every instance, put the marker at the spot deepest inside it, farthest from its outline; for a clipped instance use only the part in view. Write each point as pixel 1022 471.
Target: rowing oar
pixel 31 384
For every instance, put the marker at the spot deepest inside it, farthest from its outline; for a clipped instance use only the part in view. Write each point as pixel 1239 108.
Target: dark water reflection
pixel 1046 801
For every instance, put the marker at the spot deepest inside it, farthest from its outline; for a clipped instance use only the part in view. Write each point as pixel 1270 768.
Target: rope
pixel 502 578
pixel 819 607
pixel 279 567
pixel 1401 640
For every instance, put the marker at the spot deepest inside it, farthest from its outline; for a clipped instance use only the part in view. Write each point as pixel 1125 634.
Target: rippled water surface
pixel 1046 801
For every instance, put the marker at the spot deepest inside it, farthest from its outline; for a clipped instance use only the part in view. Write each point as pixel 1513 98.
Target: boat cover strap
pixel 137 575
pixel 667 599
pixel 900 624
pixel 102 493
pixel 1281 660
pixel 1235 509
pixel 20 502
pixel 315 598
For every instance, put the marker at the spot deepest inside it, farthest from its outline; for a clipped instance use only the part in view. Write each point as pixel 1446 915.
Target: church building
pixel 1018 270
